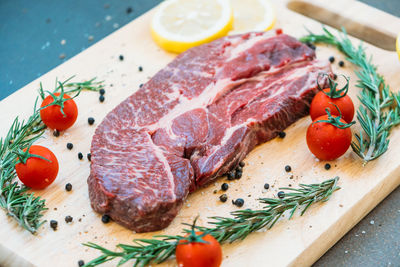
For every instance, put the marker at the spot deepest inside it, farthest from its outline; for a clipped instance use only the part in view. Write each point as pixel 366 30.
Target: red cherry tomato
pixel 326 141
pixel 321 101
pixel 198 254
pixel 52 116
pixel 38 173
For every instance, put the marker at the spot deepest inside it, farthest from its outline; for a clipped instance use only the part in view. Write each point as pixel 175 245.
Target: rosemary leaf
pixel 379 110
pixel 224 229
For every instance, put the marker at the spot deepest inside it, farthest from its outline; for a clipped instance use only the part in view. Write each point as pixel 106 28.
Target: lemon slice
pixel 398 46
pixel 181 24
pixel 252 15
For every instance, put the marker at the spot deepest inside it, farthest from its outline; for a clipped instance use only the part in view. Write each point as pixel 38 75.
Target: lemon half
pixel 252 15
pixel 181 24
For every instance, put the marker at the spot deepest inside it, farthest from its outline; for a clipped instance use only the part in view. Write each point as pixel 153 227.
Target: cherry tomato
pixel 38 173
pixel 52 116
pixel 198 254
pixel 321 101
pixel 326 141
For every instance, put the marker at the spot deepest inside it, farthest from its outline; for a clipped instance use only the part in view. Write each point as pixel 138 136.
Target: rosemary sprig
pixel 380 108
pixel 237 227
pixel 24 207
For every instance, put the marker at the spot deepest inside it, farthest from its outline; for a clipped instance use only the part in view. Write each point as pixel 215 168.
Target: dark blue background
pixel 31 32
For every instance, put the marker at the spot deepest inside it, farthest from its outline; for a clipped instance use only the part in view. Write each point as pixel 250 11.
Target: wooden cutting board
pixel 298 242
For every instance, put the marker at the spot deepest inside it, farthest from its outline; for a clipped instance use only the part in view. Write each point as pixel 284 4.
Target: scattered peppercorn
pixel 68 187
pixel 281 194
pixel 238 202
pixel 242 164
pixel 327 166
pixel 266 186
pixel 224 186
pixel 288 168
pixel 80 155
pixel 68 219
pixel 334 76
pixel 332 59
pixel 102 91
pixel 341 63
pixel 101 98
pixel 238 175
pixel 105 218
pixel 129 10
pixel 281 134
pixel 53 224
pixel 140 68
pixel 90 120
pixel 56 133
pixel 223 198
pixel 141 85
pixel 231 176
pixel 89 156
pixel 70 146
pixel 121 57
pixel 239 169
pixel 310 45
pixel 81 263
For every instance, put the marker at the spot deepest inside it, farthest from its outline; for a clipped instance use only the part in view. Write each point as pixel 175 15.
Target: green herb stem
pixel 224 229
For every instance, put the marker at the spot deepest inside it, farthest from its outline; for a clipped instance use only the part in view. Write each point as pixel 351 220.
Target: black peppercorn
pixel 288 168
pixel 101 98
pixel 223 198
pixel 224 186
pixel 80 155
pixel 90 120
pixel 140 68
pixel 341 63
pixel 239 169
pixel 81 263
pixel 281 134
pixel 56 133
pixel 129 10
pixel 68 219
pixel 89 156
pixel 53 224
pixel 281 194
pixel 238 202
pixel 68 187
pixel 241 164
pixel 70 146
pixel 310 45
pixel 238 175
pixel 102 91
pixel 121 57
pixel 327 166
pixel 332 59
pixel 231 176
pixel 105 218
pixel 140 86
pixel 334 76
pixel 266 186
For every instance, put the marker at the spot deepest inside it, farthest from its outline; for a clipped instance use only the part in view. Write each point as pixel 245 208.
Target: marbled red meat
pixel 194 121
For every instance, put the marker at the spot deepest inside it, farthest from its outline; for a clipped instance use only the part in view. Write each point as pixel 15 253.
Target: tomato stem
pixel 335 121
pixel 333 91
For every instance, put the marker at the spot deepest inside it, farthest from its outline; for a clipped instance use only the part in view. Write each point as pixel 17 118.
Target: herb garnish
pixel 380 108
pixel 238 227
pixel 24 207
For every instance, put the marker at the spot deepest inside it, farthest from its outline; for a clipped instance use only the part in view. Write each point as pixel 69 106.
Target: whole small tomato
pixel 60 113
pixel 37 168
pixel 329 137
pixel 331 97
pixel 191 253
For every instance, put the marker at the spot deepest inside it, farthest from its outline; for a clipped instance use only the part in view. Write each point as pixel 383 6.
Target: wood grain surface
pixel 298 242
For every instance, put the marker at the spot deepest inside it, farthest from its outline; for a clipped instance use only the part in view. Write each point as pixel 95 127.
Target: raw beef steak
pixel 194 121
